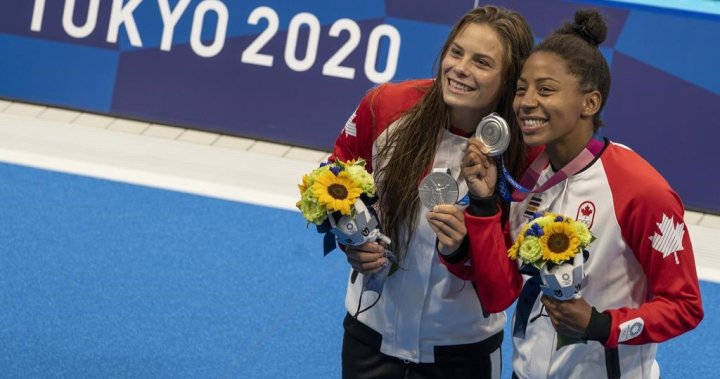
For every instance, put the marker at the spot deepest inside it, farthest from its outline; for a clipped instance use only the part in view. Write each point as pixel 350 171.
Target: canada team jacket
pixel 640 270
pixel 422 304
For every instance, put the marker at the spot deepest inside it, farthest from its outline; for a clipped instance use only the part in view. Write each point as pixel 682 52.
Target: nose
pixel 528 100
pixel 461 68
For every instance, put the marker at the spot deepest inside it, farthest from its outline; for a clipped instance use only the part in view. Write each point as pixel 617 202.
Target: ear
pixel 592 103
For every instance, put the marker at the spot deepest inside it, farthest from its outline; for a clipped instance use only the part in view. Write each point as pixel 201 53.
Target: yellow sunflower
pixel 513 251
pixel 305 182
pixel 337 193
pixel 351 162
pixel 559 242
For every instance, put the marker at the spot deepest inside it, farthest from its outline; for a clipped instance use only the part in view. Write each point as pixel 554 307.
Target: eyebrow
pixel 544 79
pixel 475 55
pixel 491 59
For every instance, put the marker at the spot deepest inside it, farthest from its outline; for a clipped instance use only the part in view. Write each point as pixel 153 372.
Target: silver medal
pixel 438 188
pixel 494 132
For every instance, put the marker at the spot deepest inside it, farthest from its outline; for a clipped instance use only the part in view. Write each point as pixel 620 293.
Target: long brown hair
pixel 410 147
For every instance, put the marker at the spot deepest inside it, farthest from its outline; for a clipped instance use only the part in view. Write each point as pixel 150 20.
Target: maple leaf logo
pixel 586 211
pixel 669 241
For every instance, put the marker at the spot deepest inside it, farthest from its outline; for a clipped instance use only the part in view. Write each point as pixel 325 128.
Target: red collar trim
pixel 460 132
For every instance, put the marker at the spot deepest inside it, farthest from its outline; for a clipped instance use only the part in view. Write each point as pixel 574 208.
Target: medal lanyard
pixel 532 174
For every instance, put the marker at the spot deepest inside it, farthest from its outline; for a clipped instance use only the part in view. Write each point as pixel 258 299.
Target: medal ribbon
pixel 587 155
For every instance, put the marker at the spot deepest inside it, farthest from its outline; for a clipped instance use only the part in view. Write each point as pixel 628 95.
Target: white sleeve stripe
pixel 350 127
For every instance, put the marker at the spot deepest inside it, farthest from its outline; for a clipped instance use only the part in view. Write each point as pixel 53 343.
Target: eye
pixel 481 62
pixel 455 52
pixel 544 90
pixel 520 91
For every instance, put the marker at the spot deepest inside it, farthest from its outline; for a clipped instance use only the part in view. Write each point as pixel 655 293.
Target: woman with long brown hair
pixel 428 323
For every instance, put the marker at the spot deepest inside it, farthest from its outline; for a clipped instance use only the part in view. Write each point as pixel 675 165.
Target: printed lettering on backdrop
pixel 293 71
pixel 282 71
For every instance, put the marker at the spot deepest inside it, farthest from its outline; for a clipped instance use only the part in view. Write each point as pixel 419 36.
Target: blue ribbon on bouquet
pixel 329 241
pixel 528 295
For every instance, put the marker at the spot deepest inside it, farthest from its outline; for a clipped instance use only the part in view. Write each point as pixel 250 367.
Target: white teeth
pixel 534 122
pixel 459 86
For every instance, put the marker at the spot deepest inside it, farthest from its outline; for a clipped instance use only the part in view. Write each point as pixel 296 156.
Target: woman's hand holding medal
pixel 479 165
pixel 448 223
pixel 479 169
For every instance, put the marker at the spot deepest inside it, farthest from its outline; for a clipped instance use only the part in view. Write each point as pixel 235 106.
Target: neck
pixel 467 120
pixel 562 153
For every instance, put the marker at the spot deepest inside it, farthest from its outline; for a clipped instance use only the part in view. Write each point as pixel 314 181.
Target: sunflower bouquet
pixel 334 187
pixel 337 197
pixel 556 246
pixel 553 247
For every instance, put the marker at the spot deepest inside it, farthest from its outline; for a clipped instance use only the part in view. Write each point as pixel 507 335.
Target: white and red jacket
pixel 641 269
pixel 422 304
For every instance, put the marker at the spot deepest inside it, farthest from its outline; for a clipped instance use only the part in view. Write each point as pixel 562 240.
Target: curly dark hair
pixel 577 43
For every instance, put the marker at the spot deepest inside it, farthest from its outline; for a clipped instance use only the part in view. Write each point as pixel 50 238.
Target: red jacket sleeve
pixel 674 306
pixel 356 138
pixel 380 107
pixel 496 277
pixel 652 225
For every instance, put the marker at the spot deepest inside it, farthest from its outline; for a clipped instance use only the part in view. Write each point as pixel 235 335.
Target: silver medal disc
pixel 438 188
pixel 494 132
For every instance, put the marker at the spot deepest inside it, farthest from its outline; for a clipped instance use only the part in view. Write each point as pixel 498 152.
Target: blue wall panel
pixel 683 49
pixel 63 74
pixel 662 56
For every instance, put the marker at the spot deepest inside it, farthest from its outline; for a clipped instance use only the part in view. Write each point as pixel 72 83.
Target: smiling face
pixel 471 74
pixel 551 107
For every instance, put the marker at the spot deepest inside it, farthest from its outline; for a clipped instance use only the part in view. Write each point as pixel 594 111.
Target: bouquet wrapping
pixel 551 243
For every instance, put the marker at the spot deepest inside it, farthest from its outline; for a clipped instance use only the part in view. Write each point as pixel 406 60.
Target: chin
pixel 532 140
pixel 459 102
pixel 454 101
